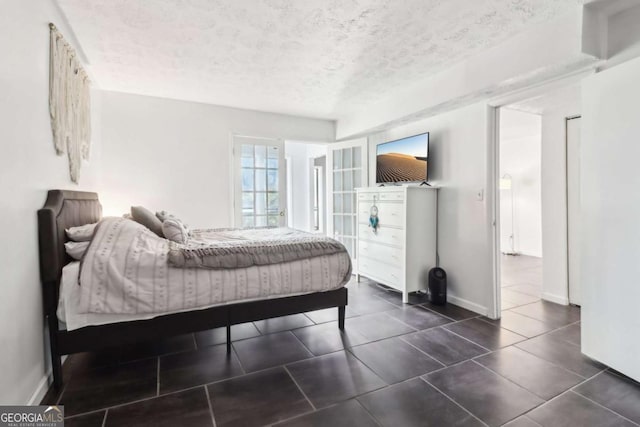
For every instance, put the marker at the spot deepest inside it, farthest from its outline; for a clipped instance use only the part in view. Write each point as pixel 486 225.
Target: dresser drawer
pixel 382 253
pixel 392 195
pixel 390 276
pixel 364 211
pixel 391 213
pixel 387 235
pixel 368 196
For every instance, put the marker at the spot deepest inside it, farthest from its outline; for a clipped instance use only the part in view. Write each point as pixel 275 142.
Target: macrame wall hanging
pixel 69 103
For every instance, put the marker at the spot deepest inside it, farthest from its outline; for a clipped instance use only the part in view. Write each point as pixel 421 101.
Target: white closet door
pixel 347 169
pixel 259 183
pixel 573 208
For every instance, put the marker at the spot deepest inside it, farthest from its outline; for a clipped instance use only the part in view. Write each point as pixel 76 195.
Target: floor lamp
pixel 506 183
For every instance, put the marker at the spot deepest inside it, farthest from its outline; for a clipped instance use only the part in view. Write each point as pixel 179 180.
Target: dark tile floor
pixel 394 365
pixel 521 280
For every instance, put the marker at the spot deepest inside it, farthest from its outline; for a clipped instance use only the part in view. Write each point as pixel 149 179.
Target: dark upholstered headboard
pixel 63 209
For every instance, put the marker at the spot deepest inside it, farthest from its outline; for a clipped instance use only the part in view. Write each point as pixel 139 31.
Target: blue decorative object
pixel 373 217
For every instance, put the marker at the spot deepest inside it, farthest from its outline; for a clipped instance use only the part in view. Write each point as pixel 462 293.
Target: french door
pixel 259 182
pixel 347 164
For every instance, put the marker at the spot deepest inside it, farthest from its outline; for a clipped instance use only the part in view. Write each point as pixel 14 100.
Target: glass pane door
pixel 348 171
pixel 259 186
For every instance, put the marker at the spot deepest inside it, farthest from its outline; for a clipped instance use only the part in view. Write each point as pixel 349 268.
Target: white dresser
pixel 403 250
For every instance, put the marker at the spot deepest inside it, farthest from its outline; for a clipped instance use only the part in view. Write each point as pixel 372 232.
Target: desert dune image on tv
pixel 403 160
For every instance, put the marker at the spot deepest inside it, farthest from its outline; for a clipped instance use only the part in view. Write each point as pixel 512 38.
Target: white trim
pixel 460 302
pixel 558 299
pixel 493 138
pixel 545 86
pixel 232 181
pixel 288 189
pixel 41 390
pixel 42 387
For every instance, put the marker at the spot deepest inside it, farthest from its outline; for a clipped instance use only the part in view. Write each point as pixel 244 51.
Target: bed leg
pixel 56 358
pixel 56 366
pixel 228 339
pixel 341 314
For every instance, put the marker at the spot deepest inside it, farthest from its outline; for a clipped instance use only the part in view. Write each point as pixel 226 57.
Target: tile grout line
pixel 452 400
pixel 233 349
pixel 583 379
pixel 571 390
pixel 295 417
pixel 520 333
pixel 302 344
pixel 400 321
pixel 299 388
pixel 158 377
pixel 467 339
pixel 421 351
pixel 213 418
pixel 602 406
pixel 433 357
pixel 373 417
pixel 104 419
pixel 512 382
pixel 554 363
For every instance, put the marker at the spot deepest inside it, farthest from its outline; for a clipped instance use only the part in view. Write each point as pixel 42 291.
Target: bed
pixel 64 209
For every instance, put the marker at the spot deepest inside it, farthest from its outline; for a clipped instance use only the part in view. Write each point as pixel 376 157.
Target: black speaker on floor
pixel 438 286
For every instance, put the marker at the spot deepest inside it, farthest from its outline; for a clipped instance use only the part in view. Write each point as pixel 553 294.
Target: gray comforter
pixel 239 248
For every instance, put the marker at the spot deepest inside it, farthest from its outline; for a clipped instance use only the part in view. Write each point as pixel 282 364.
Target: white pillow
pixel 76 250
pixel 83 233
pixel 174 230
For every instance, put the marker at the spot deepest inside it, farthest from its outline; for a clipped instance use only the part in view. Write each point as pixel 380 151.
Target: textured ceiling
pixel 306 57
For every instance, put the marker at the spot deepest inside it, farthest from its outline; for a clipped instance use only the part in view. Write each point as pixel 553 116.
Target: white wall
pixel 300 155
pixel 458 163
pixel 610 217
pixel 520 145
pixel 175 155
pixel 623 35
pixel 28 168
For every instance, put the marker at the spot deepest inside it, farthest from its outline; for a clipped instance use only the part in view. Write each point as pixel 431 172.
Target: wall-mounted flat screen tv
pixel 403 160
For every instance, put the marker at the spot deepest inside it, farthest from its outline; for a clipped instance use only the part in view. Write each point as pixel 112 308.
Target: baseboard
pixel 555 298
pixel 43 387
pixel 531 254
pixel 41 390
pixel 476 308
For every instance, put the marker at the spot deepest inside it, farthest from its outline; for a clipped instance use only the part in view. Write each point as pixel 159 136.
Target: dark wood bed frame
pixel 64 209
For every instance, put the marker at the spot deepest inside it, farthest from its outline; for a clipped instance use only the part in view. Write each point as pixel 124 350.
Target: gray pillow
pixel 164 215
pixel 175 230
pixel 145 217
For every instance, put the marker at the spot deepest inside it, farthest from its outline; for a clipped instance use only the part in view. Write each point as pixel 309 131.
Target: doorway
pixel 520 205
pixel 553 111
